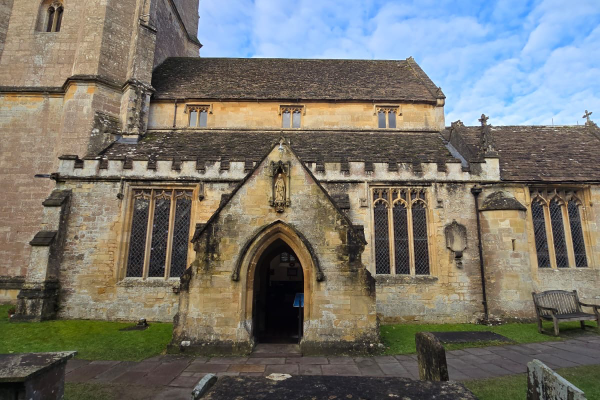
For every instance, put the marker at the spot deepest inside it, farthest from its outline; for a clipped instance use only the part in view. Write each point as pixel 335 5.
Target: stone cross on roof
pixel 484 118
pixel 587 115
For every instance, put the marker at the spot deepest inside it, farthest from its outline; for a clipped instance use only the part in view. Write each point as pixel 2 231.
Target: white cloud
pixel 521 62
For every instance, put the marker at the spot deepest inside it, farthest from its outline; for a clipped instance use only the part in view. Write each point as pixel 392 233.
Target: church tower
pixel 74 76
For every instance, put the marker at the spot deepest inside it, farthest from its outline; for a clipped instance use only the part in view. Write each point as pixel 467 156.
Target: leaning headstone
pixel 432 358
pixel 203 386
pixel 545 384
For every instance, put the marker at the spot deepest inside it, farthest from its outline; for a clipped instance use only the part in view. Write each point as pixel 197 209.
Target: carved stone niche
pixel 456 240
pixel 280 188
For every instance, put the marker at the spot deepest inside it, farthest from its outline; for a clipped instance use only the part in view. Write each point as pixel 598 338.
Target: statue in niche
pixel 279 200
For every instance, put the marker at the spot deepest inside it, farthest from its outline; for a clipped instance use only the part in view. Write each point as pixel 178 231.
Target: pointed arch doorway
pixel 268 301
pixel 278 283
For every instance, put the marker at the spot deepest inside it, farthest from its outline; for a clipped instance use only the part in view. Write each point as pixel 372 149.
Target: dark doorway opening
pixel 279 280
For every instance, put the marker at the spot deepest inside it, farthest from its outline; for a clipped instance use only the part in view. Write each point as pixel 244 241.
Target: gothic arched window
pixel 51 16
pixel 557 227
pixel 401 233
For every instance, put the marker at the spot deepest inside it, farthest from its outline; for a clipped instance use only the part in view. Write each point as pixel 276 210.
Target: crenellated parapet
pixel 72 167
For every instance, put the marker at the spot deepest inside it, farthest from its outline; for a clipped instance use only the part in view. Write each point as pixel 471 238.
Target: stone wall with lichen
pixel 511 261
pixel 215 311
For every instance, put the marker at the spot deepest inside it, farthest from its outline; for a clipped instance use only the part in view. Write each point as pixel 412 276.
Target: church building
pixel 268 200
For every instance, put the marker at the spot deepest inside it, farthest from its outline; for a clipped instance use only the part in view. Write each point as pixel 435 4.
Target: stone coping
pixel 23 366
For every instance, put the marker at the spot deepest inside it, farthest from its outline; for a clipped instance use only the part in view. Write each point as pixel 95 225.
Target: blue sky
pixel 518 61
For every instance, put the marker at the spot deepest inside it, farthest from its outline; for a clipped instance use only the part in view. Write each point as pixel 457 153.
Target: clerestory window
pixel 386 117
pixel 291 116
pixel 160 233
pixel 558 228
pixel 198 116
pixel 401 232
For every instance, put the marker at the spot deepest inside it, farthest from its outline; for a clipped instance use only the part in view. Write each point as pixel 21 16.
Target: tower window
pixel 50 16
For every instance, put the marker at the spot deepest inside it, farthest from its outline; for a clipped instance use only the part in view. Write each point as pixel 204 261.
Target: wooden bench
pixel 562 306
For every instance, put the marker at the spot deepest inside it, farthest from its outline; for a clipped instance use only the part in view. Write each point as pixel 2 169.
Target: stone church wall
pixel 316 115
pixel 93 283
pixel 511 264
pixel 30 126
pixel 45 118
pixel 451 293
pixel 171 39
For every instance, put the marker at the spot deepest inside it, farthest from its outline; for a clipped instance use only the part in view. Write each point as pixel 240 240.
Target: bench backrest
pixel 565 302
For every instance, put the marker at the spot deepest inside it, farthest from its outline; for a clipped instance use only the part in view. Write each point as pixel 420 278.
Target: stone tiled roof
pixel 310 146
pixel 540 153
pixel 293 79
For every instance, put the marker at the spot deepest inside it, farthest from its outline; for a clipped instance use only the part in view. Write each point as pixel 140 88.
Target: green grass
pixel 400 339
pixel 515 387
pixel 93 340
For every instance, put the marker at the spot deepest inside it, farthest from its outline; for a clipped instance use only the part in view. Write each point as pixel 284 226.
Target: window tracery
pixel 557 225
pixel 291 116
pixel 51 16
pixel 198 115
pixel 160 233
pixel 386 116
pixel 400 231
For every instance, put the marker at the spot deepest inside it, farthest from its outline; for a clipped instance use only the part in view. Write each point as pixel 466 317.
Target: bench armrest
pixel 594 306
pixel 553 310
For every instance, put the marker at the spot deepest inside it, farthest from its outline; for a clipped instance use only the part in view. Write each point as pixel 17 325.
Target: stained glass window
pixel 558 234
pixel 382 249
pixel 539 230
pixel 577 235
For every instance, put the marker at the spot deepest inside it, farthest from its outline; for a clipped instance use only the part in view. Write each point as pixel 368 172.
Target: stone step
pixel 267 350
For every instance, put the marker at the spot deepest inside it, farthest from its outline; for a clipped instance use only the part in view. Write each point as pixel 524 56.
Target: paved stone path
pixel 177 374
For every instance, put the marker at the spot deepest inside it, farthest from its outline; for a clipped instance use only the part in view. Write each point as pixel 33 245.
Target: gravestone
pixel 545 384
pixel 432 358
pixel 33 376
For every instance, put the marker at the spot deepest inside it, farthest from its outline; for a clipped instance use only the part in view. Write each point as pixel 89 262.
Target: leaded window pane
pixel 539 230
pixel 160 233
pixel 391 119
pixel 401 249
pixel 286 119
pixel 137 241
pixel 203 119
pixel 381 119
pixel 181 236
pixel 382 249
pixel 296 116
pixel 558 234
pixel 577 235
pixel 193 118
pixel 419 220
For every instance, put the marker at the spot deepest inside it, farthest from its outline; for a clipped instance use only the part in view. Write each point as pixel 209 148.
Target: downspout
pixel 476 192
pixel 175 114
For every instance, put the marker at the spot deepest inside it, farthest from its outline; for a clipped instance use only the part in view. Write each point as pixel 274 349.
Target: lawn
pixel 400 339
pixel 515 386
pixel 93 340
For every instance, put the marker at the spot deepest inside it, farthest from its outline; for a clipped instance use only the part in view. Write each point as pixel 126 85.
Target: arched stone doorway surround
pixel 249 260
